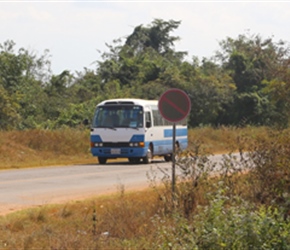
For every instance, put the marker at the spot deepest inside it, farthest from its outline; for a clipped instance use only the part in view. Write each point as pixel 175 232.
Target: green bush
pixel 223 226
pixel 245 206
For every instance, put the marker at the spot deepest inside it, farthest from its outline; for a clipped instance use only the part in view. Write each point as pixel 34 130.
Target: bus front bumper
pixel 126 152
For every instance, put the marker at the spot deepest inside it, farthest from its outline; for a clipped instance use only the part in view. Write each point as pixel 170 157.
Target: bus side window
pixel 148 119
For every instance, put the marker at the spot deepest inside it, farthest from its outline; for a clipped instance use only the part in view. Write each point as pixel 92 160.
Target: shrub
pixel 220 226
pixel 242 203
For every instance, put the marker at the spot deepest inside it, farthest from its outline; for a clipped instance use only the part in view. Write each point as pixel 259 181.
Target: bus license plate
pixel 115 151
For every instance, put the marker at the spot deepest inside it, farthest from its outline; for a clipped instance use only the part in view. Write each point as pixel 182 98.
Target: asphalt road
pixel 32 187
pixel 59 184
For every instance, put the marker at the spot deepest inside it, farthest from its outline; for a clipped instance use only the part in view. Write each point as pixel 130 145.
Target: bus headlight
pixel 96 144
pixel 136 144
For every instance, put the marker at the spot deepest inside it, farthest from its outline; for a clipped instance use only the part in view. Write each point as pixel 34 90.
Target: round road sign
pixel 174 105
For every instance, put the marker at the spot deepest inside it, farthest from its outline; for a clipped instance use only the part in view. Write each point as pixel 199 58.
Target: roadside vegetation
pixel 245 206
pixel 34 148
pixel 245 82
pixel 39 147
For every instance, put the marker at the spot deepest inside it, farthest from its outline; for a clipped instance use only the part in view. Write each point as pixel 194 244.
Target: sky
pixel 76 32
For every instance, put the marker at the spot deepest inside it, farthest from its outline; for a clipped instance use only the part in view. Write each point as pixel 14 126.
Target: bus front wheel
pixel 102 160
pixel 134 160
pixel 147 159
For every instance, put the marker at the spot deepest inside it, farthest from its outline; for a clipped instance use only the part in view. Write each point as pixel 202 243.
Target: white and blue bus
pixel 133 129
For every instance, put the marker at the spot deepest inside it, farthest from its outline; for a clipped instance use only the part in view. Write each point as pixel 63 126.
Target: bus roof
pixel 133 101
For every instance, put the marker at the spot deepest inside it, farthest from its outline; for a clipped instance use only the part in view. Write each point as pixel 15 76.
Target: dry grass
pixel 224 139
pixel 32 148
pixel 82 225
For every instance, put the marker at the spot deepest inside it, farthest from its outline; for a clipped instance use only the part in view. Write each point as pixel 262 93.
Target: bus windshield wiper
pixel 110 127
pixel 136 128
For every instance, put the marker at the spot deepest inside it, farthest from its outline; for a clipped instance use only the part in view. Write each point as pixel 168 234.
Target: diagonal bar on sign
pixel 174 106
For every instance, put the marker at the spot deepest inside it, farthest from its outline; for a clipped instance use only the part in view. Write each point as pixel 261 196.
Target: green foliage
pixel 155 36
pixel 218 226
pixel 239 226
pixel 246 82
pixel 278 90
pixel 21 77
pixel 210 95
pixel 257 110
pixel 8 110
pixel 251 62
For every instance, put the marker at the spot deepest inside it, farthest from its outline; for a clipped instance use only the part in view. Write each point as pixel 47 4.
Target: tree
pixel 157 36
pixel 21 76
pixel 146 63
pixel 211 92
pixel 9 107
pixel 251 62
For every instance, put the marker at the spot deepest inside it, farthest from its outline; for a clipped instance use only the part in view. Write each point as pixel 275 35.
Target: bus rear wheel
pixel 102 160
pixel 168 157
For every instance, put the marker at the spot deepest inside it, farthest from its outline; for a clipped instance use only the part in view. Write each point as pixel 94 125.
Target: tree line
pixel 246 82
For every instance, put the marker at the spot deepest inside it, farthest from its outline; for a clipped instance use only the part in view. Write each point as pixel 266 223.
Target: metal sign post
pixel 173 160
pixel 174 106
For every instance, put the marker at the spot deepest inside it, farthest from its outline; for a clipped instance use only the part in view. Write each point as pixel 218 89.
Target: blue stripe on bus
pixel 137 138
pixel 96 138
pixel 179 132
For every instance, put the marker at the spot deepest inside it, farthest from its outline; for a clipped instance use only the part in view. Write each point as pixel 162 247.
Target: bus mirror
pixel 148 124
pixel 86 122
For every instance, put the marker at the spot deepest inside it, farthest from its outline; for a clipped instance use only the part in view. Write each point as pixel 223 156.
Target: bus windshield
pixel 118 116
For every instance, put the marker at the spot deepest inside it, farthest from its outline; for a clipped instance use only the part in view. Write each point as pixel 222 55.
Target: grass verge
pixel 32 148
